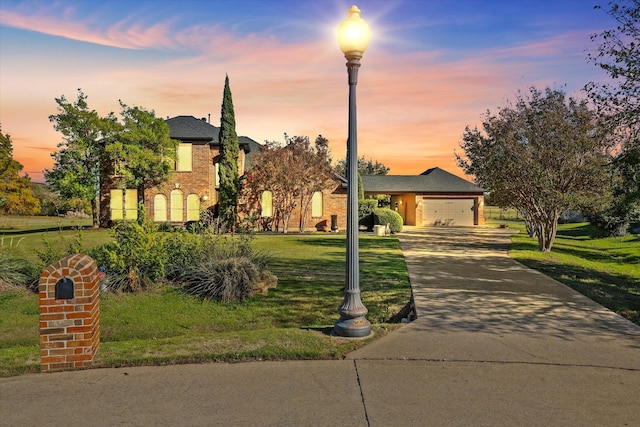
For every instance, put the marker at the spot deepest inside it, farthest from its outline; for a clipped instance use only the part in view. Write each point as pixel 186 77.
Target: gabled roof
pixel 434 180
pixel 251 148
pixel 188 128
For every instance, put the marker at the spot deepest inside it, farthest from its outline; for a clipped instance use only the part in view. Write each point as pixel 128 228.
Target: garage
pixel 451 212
pixel 433 198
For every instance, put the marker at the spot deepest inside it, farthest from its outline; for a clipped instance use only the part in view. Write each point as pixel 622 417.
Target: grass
pixel 26 224
pixel 607 270
pixel 293 321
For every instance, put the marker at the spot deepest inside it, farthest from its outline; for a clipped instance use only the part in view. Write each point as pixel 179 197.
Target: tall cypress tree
pixel 228 165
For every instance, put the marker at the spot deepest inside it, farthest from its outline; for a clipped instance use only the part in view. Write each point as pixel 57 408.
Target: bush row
pixel 207 264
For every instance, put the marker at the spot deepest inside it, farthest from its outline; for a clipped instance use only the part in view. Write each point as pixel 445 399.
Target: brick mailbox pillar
pixel 69 295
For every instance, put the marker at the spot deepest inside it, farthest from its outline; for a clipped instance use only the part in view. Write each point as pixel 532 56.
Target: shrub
pixel 136 258
pixel 366 207
pixel 384 216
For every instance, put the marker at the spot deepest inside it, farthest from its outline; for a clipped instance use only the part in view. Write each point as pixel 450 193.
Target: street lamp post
pixel 353 37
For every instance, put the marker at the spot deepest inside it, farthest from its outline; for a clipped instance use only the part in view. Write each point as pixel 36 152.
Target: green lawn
pixel 293 321
pixel 22 224
pixel 607 270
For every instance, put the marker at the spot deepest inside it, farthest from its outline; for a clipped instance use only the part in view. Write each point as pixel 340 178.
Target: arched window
pixel 316 204
pixel 267 204
pixel 177 206
pixel 193 207
pixel 159 208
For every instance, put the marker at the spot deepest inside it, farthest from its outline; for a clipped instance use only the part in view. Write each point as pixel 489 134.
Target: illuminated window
pixel 193 207
pixel 184 158
pixel 316 204
pixel 177 206
pixel 217 165
pixel 267 204
pixel 124 204
pixel 160 208
pixel 131 204
pixel 116 205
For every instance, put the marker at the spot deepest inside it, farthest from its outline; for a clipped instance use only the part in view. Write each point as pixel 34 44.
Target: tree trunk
pixel 95 211
pixel 547 228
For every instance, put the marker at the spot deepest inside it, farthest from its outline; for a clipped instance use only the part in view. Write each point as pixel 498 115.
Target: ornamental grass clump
pixel 226 279
pixel 13 274
pixel 224 268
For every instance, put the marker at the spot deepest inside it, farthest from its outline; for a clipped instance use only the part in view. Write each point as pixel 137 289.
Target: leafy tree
pixel 16 196
pixel 618 103
pixel 292 173
pixel 365 167
pixel 312 170
pixel 270 172
pixel 140 154
pixel 544 155
pixel 53 205
pixel 228 165
pixel 78 164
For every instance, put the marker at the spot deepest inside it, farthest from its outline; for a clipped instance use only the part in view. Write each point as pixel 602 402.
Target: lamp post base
pixel 352 328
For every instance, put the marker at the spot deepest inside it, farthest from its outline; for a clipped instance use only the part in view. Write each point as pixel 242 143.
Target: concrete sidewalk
pixel 494 344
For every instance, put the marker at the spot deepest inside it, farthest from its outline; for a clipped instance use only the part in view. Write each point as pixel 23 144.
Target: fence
pixel 495 212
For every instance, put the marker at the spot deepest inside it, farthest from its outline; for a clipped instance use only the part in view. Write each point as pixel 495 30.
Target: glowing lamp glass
pixel 353 33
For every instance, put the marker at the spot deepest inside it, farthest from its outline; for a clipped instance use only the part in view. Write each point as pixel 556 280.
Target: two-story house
pixel 194 185
pixel 435 197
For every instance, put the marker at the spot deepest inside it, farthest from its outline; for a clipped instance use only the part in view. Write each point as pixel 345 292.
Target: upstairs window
pixel 184 157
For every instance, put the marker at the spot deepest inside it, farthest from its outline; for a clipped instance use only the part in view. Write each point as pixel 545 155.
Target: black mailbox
pixel 64 288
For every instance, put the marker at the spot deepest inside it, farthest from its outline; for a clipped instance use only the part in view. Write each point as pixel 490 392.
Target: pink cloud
pixel 412 107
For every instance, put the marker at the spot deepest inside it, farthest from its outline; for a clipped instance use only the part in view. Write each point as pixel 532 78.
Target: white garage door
pixel 447 212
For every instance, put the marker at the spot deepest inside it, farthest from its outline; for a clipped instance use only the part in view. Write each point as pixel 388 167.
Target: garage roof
pixel 434 180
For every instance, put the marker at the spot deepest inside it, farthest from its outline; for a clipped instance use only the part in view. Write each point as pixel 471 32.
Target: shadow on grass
pixel 619 293
pixel 581 232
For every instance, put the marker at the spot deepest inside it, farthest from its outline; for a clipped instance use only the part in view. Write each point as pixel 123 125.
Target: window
pixel 267 204
pixel 160 208
pixel 116 205
pixel 131 204
pixel 193 207
pixel 177 206
pixel 316 204
pixel 217 168
pixel 184 157
pixel 124 204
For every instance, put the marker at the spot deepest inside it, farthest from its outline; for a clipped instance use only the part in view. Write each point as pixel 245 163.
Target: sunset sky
pixel 433 67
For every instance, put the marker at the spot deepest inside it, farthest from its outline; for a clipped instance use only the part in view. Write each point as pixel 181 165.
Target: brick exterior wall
pixel 69 328
pixel 334 202
pixel 200 181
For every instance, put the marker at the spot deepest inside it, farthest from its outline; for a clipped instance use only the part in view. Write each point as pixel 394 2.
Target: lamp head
pixel 353 33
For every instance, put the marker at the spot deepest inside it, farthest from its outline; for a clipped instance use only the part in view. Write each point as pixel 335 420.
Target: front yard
pixel 293 321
